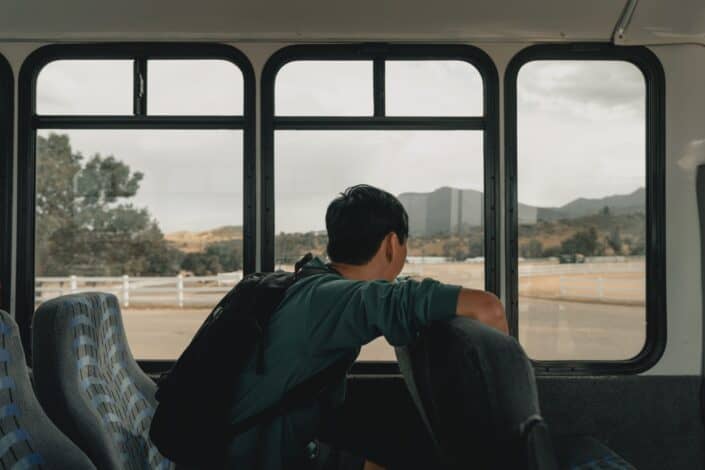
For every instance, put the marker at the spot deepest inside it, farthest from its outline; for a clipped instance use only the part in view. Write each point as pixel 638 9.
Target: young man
pixel 329 317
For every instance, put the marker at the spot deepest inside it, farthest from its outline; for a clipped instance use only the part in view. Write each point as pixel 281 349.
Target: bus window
pixel 324 88
pixel 79 87
pixel 444 199
pixel 152 214
pixel 433 88
pixel 438 174
pixel 581 175
pixel 194 87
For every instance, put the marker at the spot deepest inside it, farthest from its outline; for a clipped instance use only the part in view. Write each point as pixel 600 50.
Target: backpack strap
pixel 310 388
pixel 299 395
pixel 268 303
pixel 301 270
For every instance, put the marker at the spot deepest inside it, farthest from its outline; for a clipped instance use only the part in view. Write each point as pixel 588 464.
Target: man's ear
pixel 389 246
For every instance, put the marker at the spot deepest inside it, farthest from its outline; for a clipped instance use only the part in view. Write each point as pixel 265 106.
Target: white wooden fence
pixel 178 290
pixel 206 291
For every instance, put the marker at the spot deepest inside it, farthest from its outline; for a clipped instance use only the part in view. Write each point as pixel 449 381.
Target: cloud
pixel 597 90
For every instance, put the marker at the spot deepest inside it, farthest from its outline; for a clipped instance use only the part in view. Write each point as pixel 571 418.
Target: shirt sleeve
pixel 348 314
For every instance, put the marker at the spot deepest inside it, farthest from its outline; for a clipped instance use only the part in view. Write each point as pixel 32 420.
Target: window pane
pixel 581 186
pixel 128 212
pixel 438 176
pixel 324 88
pixel 194 87
pixel 85 87
pixel 433 88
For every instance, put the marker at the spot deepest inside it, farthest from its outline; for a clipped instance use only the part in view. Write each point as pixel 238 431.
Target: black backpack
pixel 191 423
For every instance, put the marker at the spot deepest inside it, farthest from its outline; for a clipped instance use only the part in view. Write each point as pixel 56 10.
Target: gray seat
pixel 28 438
pixel 476 391
pixel 90 384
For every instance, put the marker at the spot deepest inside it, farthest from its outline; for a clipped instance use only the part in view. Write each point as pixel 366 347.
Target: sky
pixel 581 133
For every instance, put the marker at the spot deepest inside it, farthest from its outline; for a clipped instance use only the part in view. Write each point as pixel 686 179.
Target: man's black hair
pixel 358 220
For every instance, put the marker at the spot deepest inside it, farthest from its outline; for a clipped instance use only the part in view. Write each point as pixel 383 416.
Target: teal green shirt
pixel 322 319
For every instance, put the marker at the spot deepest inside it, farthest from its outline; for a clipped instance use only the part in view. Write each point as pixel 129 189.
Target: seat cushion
pixel 476 389
pixel 90 384
pixel 28 438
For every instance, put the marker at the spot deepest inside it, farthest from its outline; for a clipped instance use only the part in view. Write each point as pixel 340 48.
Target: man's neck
pixel 357 273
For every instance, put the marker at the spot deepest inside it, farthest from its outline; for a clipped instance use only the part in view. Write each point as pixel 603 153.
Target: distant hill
pixel 192 242
pixel 618 204
pixel 452 211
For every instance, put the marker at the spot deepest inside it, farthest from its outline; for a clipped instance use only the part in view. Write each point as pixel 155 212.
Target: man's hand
pixel 484 307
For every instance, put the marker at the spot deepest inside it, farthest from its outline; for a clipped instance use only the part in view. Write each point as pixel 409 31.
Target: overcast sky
pixel 581 133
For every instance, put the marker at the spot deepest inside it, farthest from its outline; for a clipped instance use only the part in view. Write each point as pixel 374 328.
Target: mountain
pixel 618 204
pixel 451 210
pixel 191 242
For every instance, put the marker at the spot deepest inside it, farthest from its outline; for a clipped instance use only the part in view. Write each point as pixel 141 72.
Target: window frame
pixel 6 181
pixel 488 124
pixel 140 53
pixel 647 62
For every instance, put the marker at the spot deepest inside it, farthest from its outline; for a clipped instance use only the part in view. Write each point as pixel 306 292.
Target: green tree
pixel 614 240
pixel 531 249
pixel 638 247
pixel 477 249
pixel 218 257
pixel 582 242
pixel 85 223
pixel 455 249
pixel 290 247
pixel 551 251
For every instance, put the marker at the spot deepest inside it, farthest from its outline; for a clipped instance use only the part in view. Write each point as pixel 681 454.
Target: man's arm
pixel 343 314
pixel 346 314
pixel 482 306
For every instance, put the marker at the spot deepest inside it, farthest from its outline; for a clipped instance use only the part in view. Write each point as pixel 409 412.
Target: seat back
pixel 28 438
pixel 89 383
pixel 476 391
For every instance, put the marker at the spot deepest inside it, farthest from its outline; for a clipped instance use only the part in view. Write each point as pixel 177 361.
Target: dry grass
pixel 617 288
pixel 193 242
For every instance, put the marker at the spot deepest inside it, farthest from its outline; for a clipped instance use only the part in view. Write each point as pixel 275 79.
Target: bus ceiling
pixel 652 21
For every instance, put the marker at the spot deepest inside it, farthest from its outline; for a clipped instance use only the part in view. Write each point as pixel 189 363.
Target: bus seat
pixel 28 438
pixel 476 391
pixel 585 453
pixel 90 384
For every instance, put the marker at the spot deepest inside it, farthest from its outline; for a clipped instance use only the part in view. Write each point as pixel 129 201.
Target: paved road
pixel 548 330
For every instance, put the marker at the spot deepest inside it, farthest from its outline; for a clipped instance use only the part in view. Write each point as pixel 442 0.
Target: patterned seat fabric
pixel 28 438
pixel 90 384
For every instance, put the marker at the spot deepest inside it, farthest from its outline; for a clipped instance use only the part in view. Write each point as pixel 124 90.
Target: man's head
pixel 367 231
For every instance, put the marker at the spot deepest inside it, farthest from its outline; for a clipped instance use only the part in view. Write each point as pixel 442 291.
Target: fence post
pixel 600 288
pixel 74 284
pixel 180 287
pixel 125 291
